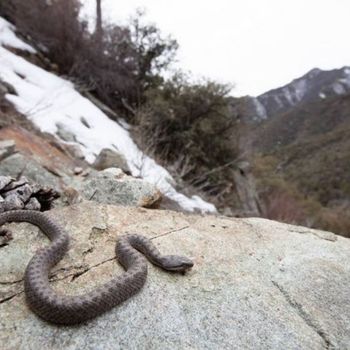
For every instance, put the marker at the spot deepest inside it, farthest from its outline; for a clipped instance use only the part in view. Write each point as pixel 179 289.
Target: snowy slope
pixel 49 101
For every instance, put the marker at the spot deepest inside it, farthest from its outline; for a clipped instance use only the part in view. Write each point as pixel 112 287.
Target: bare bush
pixel 336 220
pixel 53 25
pixel 282 206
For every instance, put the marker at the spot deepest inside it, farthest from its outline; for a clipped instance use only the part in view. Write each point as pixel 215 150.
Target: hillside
pixel 181 122
pixel 312 145
pixel 134 209
pixel 53 105
pixel 296 136
pixel 302 153
pixel 303 122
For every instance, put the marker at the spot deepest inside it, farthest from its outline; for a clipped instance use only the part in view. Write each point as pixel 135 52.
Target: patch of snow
pixel 278 101
pixel 259 108
pixel 48 101
pixel 345 81
pixel 8 37
pixel 338 88
pixel 300 89
pixel 295 92
pixel 287 94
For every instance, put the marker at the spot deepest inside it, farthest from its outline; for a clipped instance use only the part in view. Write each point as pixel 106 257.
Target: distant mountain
pixel 300 136
pixel 302 122
pixel 314 86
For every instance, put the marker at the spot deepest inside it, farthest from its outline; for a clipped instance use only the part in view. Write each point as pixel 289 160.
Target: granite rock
pixel 256 284
pixel 20 165
pixel 7 147
pixel 113 186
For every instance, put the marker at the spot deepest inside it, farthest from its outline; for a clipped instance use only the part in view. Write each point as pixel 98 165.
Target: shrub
pixel 282 206
pixel 119 65
pixel 190 125
pixel 336 220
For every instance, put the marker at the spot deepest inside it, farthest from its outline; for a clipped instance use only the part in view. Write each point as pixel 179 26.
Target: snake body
pixel 55 308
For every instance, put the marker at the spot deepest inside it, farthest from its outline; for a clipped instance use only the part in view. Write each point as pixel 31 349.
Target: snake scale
pixel 55 308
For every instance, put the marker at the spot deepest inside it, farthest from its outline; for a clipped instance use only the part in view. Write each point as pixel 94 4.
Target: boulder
pixel 108 158
pixel 112 186
pixel 256 284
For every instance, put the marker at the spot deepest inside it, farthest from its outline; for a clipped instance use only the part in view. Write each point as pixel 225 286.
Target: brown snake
pixel 56 308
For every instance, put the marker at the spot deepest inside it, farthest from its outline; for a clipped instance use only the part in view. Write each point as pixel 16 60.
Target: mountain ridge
pixel 313 86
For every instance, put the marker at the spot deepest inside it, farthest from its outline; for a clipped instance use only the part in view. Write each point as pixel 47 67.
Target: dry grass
pixel 336 220
pixel 282 206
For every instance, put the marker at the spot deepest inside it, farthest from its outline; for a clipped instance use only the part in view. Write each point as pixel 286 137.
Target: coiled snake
pixel 56 308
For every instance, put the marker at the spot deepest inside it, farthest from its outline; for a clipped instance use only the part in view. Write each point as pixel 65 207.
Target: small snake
pixel 59 309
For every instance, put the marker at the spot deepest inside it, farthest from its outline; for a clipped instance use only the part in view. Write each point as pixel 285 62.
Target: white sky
pixel 255 44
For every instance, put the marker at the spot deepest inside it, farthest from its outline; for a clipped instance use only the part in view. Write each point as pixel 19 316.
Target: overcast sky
pixel 256 44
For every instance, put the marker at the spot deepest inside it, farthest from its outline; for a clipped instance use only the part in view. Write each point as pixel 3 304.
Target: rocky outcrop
pixel 18 165
pixel 39 151
pixel 112 186
pixel 256 284
pixel 46 163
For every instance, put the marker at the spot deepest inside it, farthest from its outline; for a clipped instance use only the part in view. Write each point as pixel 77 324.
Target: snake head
pixel 176 263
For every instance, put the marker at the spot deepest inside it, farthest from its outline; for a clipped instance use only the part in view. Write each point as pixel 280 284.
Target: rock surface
pixel 112 186
pixel 256 284
pixel 44 148
pixel 18 165
pixel 7 147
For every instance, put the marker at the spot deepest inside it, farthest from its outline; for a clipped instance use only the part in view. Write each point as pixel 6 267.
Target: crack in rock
pixel 169 232
pixel 10 297
pixel 312 323
pixel 54 279
pixel 66 271
pixel 80 273
pixel 6 283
